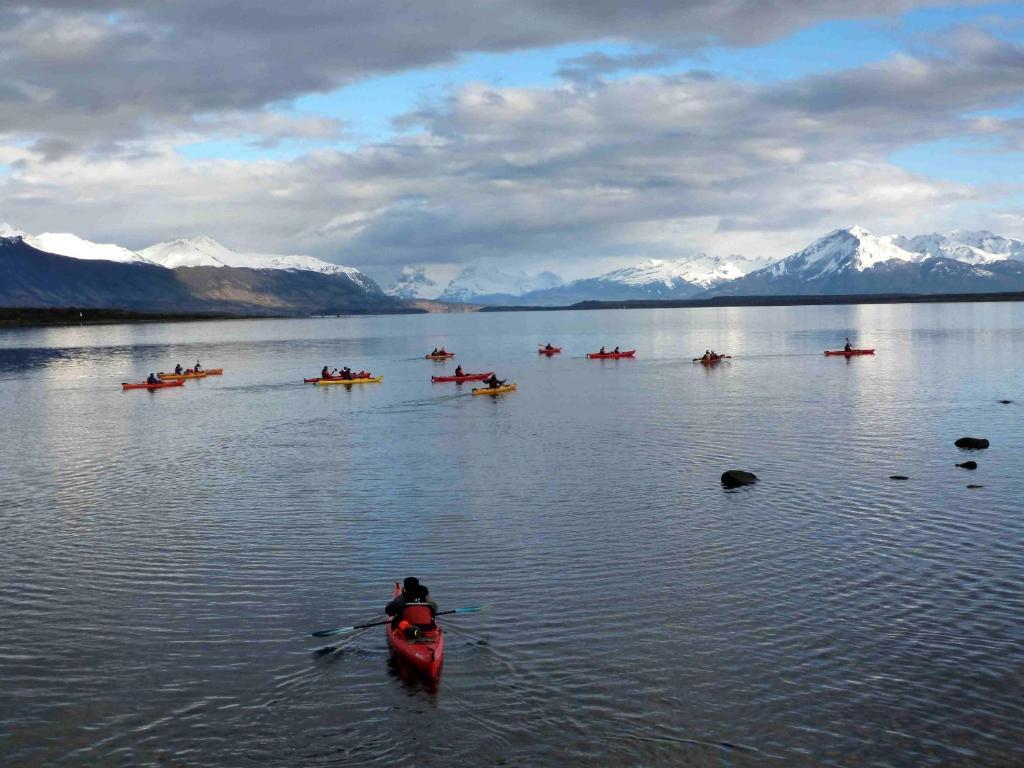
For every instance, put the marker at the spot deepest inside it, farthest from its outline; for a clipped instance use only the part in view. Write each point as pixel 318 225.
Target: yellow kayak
pixel 326 382
pixel 181 376
pixel 496 390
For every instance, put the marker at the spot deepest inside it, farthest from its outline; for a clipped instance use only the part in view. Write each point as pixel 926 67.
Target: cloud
pixel 640 166
pixel 115 70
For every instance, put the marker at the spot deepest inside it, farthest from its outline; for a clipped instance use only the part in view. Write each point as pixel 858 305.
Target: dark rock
pixel 972 443
pixel 975 486
pixel 968 465
pixel 898 477
pixel 1006 402
pixel 734 478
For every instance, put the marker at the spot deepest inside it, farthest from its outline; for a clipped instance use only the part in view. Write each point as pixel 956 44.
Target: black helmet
pixel 410 583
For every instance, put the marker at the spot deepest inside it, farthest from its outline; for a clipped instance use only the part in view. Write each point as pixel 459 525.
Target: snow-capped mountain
pixel 853 261
pixel 486 283
pixel 414 283
pixel 204 251
pixel 977 247
pixel 67 244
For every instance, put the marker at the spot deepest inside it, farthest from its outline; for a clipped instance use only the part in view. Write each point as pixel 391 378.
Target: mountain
pixel 413 283
pixel 853 261
pixel 651 279
pixel 980 247
pixel 35 278
pixel 66 244
pixel 483 283
pixel 204 251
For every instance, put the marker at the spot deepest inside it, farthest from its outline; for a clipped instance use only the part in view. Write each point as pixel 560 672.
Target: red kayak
pixel 848 352
pixel 440 356
pixel 360 375
pixel 549 352
pixel 424 651
pixel 457 379
pixel 713 360
pixel 611 355
pixel 162 385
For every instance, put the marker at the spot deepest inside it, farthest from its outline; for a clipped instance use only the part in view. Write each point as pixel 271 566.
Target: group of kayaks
pixel 172 379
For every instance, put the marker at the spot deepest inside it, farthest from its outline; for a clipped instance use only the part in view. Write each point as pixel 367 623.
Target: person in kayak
pixel 848 346
pixel 548 347
pixel 197 368
pixel 615 351
pixel 601 351
pixel 178 370
pixel 152 379
pixel 413 594
pixel 494 382
pixel 325 373
pixel 435 353
pixel 458 371
pixel 345 373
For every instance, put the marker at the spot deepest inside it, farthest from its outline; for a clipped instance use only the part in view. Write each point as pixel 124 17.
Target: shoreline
pixel 772 301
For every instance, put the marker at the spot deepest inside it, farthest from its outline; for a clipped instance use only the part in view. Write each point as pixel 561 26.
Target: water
pixel 165 554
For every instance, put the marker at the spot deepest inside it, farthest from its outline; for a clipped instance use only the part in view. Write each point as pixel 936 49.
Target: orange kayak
pixel 145 385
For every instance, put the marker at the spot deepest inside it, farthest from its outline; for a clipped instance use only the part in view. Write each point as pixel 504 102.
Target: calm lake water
pixel 166 554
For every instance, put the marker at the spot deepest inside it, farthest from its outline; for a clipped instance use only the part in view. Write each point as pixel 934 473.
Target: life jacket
pixel 418 614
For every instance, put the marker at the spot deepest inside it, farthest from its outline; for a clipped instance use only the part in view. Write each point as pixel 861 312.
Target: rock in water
pixel 972 443
pixel 898 477
pixel 968 465
pixel 734 478
pixel 975 486
pixel 1006 402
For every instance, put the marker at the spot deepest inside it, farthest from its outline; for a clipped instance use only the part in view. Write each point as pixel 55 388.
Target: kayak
pixel 445 356
pixel 372 380
pixel 848 352
pixel 425 652
pixel 549 352
pixel 611 355
pixel 143 385
pixel 459 379
pixel 713 360
pixel 495 390
pixel 182 376
pixel 360 375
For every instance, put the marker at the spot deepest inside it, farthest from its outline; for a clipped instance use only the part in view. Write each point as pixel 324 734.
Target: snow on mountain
pixel 481 281
pixel 67 244
pixel 204 251
pixel 703 271
pixel 6 230
pixel 970 247
pixel 414 283
pixel 853 248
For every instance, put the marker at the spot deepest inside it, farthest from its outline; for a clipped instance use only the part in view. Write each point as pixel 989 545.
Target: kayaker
pixel 435 353
pixel 615 351
pixel 345 373
pixel 442 351
pixel 325 373
pixel 413 593
pixel 601 351
pixel 458 371
pixel 152 379
pixel 848 346
pixel 494 382
pixel 178 369
pixel 548 347
pixel 197 368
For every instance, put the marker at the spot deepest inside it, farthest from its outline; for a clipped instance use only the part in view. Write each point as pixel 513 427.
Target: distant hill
pixel 30 277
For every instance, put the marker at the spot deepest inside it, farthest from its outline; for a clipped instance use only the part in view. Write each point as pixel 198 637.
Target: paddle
pixel 346 630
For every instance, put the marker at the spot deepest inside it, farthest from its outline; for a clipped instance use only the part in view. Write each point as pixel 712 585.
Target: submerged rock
pixel 972 443
pixel 975 486
pixel 968 465
pixel 734 478
pixel 1006 402
pixel 898 477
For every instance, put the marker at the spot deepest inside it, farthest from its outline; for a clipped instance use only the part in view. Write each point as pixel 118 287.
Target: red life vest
pixel 418 614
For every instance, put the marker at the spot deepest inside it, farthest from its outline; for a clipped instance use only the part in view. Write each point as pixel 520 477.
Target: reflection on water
pixel 167 553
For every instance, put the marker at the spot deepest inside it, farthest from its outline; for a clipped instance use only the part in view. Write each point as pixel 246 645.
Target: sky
pixel 566 135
